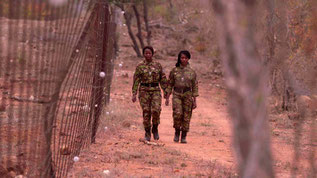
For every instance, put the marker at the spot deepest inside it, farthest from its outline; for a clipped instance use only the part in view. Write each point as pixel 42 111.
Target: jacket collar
pixel 145 62
pixel 182 67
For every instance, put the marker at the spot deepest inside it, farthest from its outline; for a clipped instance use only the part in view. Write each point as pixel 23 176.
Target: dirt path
pixel 209 137
pixel 118 152
pixel 209 149
pixel 118 149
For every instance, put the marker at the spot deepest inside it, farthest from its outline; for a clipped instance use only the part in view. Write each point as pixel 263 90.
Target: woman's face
pixel 148 54
pixel 184 60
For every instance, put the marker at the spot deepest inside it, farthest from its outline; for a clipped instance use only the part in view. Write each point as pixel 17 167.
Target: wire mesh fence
pixel 55 77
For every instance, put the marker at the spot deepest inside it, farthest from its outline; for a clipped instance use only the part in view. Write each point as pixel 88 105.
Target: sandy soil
pixel 118 148
pixel 209 152
pixel 209 149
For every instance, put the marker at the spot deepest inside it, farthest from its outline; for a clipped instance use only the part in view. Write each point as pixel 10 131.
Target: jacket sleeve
pixel 171 82
pixel 163 81
pixel 195 85
pixel 136 80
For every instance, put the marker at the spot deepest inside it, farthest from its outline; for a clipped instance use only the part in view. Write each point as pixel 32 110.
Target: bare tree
pixel 146 21
pixel 138 21
pixel 122 4
pixel 246 80
pixel 128 16
pixel 271 42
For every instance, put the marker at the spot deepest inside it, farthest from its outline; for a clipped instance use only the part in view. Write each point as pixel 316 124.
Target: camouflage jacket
pixel 149 73
pixel 182 77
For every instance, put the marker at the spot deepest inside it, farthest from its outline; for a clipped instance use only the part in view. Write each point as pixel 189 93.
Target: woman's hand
pixel 134 98
pixel 194 103
pixel 167 101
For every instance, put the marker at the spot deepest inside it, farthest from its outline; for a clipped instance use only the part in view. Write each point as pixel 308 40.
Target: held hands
pixel 134 98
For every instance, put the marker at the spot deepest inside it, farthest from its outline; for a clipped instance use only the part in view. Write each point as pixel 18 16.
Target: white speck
pixel 86 107
pixel 124 24
pixel 110 99
pixel 106 128
pixel 96 55
pixel 96 105
pixel 76 158
pixel 150 73
pixel 182 78
pixel 106 172
pixel 120 65
pixel 102 74
pixel 122 12
pixel 31 97
pixel 107 113
pixel 100 22
pixel 57 2
pixel 77 50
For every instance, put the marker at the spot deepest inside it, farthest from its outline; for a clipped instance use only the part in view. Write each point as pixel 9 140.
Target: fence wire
pixel 55 76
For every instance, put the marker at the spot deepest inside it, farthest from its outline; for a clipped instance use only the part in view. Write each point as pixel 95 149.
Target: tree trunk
pixel 127 16
pixel 170 4
pixel 271 45
pixel 146 21
pixel 139 34
pixel 136 48
pixel 270 31
pixel 246 82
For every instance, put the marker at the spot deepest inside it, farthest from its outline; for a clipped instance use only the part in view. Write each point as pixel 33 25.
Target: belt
pixel 150 84
pixel 182 89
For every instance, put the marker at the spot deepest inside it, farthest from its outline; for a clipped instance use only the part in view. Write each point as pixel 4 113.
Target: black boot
pixel 183 139
pixel 155 132
pixel 147 136
pixel 176 136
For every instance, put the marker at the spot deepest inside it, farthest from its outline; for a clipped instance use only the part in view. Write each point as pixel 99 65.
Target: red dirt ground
pixel 209 152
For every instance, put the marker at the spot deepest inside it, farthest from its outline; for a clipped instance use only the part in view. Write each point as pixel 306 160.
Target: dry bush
pixel 215 169
pixel 289 29
pixel 114 118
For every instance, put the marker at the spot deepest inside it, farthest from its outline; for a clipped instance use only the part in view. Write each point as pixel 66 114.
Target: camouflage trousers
pixel 150 102
pixel 182 110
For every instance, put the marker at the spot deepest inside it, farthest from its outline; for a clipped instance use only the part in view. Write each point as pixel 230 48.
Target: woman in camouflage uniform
pixel 183 83
pixel 147 77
